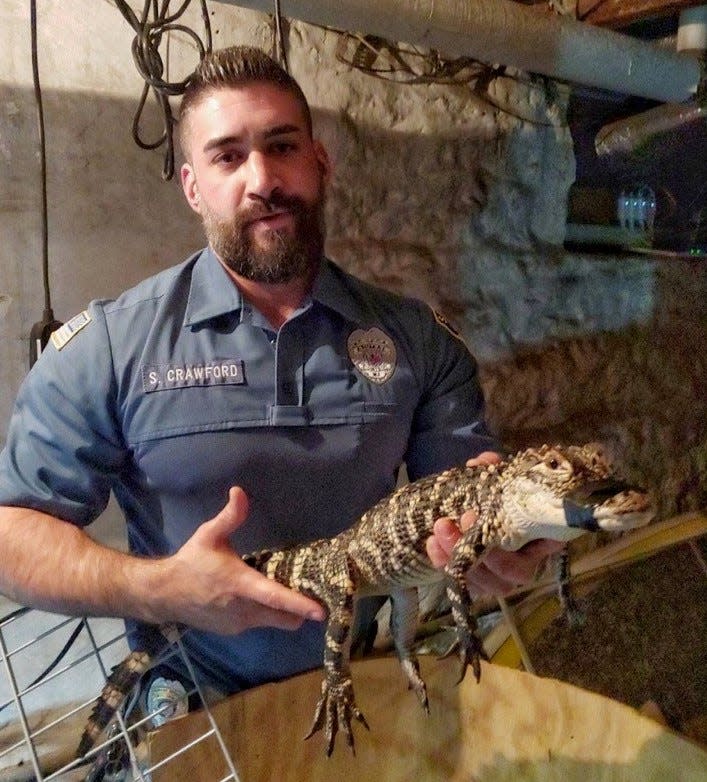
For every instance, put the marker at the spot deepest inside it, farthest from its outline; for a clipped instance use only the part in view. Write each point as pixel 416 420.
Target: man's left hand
pixel 500 571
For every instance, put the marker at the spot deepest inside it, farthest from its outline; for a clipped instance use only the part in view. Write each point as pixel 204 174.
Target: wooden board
pixel 512 726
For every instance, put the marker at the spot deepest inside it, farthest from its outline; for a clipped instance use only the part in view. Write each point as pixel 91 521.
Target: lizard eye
pixel 556 462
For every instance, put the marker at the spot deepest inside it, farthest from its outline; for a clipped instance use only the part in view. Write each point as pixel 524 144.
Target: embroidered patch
pixel 222 372
pixel 445 323
pixel 61 337
pixel 373 354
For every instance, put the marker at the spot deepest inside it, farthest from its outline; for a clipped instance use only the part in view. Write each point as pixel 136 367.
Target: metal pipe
pixel 506 32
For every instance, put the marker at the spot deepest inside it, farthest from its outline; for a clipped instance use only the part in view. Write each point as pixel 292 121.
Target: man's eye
pixel 226 158
pixel 283 147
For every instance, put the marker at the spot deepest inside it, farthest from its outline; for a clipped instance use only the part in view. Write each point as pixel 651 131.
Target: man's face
pixel 257 178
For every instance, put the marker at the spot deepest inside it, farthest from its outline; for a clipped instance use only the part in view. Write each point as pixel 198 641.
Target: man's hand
pixel 210 587
pixel 500 571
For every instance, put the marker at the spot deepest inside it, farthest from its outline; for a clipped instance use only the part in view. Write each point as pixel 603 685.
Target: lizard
pixel 557 492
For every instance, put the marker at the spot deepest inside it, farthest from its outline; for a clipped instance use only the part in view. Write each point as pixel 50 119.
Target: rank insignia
pixel 61 337
pixel 373 354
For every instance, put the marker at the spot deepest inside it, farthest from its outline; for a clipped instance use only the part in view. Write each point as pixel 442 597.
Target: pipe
pixel 506 32
pixel 692 31
pixel 628 134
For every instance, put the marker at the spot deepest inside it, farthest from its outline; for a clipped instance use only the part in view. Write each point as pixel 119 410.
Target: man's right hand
pixel 207 585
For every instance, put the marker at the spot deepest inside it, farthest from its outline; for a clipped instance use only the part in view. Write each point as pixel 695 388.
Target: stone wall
pixel 452 194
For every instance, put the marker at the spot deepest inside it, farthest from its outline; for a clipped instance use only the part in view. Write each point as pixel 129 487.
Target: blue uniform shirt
pixel 178 390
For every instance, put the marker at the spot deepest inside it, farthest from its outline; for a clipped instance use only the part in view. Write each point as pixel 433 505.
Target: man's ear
pixel 190 188
pixel 323 161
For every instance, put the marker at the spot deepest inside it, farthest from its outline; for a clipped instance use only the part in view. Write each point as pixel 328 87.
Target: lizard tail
pixel 119 685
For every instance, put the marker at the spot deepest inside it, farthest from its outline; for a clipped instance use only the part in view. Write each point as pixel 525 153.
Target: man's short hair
pixel 236 66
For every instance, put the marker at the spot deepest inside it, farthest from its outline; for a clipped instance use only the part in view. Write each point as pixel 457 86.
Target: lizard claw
pixel 335 709
pixel 411 669
pixel 471 652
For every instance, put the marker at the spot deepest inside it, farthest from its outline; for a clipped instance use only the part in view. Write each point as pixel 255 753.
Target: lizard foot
pixel 335 709
pixel 471 652
pixel 411 669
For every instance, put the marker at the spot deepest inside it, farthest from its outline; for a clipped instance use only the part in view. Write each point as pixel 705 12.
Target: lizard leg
pixel 403 626
pixel 337 705
pixel 466 552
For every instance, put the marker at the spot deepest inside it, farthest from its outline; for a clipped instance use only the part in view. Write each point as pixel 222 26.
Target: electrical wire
pixel 42 155
pixel 16 614
pixel 42 330
pixel 408 65
pixel 280 50
pixel 154 22
pixel 59 657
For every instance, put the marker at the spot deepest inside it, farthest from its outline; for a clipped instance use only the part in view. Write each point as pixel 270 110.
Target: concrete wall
pixel 438 192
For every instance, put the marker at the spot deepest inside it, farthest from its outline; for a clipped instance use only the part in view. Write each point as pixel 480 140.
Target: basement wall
pixel 457 198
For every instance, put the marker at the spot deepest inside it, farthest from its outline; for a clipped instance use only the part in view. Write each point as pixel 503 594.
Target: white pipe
pixel 692 30
pixel 506 32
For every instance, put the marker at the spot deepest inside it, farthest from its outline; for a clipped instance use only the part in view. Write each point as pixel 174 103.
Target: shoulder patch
pixel 446 324
pixel 63 335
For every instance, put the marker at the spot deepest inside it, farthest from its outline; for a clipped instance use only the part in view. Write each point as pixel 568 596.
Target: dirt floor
pixel 644 639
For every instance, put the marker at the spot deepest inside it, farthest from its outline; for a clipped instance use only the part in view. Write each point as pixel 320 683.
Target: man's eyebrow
pixel 281 130
pixel 221 141
pixel 277 130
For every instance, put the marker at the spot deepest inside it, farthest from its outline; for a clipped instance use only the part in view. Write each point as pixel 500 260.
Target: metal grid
pixel 44 708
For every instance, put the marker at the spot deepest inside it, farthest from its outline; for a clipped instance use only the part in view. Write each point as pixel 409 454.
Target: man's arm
pixel 53 565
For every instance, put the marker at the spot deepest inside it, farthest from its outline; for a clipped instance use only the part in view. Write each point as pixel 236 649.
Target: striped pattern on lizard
pixel 557 492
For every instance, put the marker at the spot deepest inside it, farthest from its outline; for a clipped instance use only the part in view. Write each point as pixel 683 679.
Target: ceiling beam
pixel 621 13
pixel 616 13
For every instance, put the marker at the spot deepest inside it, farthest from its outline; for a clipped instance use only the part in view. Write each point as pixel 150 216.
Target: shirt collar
pixel 332 288
pixel 213 293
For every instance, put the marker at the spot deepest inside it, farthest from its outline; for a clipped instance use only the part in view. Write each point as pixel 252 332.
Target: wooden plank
pixel 511 726
pixel 617 13
pixel 621 13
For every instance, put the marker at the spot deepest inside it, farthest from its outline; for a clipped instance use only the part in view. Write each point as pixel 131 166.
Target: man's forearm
pixel 50 564
pixel 53 565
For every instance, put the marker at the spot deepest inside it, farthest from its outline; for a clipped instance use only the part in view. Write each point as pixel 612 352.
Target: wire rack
pixel 44 707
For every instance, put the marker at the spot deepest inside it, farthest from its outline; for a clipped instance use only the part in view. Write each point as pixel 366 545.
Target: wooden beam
pixel 617 13
pixel 621 13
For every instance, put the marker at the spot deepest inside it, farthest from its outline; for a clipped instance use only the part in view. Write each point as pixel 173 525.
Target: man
pixel 256 370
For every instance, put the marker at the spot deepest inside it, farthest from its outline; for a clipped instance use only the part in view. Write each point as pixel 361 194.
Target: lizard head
pixel 560 492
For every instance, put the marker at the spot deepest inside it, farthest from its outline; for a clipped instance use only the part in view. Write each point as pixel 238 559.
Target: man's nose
pixel 263 176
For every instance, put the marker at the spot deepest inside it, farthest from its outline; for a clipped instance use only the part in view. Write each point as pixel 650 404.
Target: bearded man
pixel 257 373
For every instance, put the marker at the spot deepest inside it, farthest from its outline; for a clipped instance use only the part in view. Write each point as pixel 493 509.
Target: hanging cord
pixel 42 154
pixel 41 331
pixel 154 22
pixel 280 49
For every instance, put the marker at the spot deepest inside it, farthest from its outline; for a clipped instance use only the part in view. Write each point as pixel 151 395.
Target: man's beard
pixel 279 256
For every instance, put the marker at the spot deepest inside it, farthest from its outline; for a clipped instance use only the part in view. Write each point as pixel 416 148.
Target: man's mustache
pixel 267 206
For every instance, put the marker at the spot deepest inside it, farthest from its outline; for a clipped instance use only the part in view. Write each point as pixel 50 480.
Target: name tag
pixel 161 377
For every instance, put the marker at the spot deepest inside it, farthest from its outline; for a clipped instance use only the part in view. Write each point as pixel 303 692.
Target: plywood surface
pixel 512 726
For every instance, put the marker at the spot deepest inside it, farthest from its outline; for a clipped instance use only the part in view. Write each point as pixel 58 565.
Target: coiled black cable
pixel 154 22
